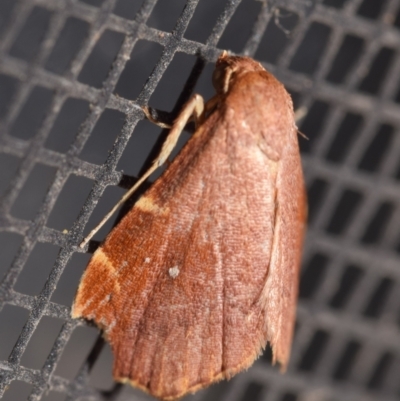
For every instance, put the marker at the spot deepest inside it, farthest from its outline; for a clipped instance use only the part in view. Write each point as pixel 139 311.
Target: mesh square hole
pixel 67 124
pixel 37 269
pixel 397 248
pixel 165 15
pixel 8 86
pixel 94 3
pixel 376 301
pixel 335 3
pixel 16 318
pixel 203 20
pixel 313 124
pixel 377 71
pixel 126 8
pixel 32 113
pixel 313 352
pixel 9 244
pixel 6 9
pixel 396 22
pixel 69 202
pixel 397 96
pixel 140 146
pixel 370 9
pixel 98 64
pixel 172 82
pixel 311 49
pixel 277 35
pixel 289 397
pixel 346 360
pixel 103 136
pixel 349 281
pixel 377 149
pixel 380 371
pixel 377 224
pixel 35 189
pixel 27 44
pixel 312 275
pixel 316 196
pixel 76 352
pixel 297 103
pixel 213 393
pixel 345 211
pixel 41 342
pixel 8 168
pixel 143 147
pixel 101 374
pixel 18 390
pixel 67 46
pixel 110 197
pixel 67 286
pixel 242 20
pixel 53 396
pixel 397 172
pixel 129 393
pixel 348 131
pixel 143 59
pixel 204 85
pixel 346 58
pixel 253 392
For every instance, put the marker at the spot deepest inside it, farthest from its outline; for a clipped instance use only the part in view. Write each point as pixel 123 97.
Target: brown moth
pixel 203 271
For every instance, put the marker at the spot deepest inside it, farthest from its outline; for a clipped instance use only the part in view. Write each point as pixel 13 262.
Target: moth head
pixel 229 67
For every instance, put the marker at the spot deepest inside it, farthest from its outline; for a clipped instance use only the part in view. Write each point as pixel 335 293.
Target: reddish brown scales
pixel 203 270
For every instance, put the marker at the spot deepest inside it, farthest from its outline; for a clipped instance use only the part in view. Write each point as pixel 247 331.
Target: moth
pixel 203 271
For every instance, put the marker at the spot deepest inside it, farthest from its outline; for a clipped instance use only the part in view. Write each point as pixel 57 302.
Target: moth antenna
pixel 193 108
pixel 303 135
pixel 300 113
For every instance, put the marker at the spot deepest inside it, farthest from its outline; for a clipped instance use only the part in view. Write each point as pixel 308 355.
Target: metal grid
pixel 341 62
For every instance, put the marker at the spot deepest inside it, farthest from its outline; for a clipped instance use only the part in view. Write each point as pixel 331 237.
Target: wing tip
pixel 161 394
pixel 280 357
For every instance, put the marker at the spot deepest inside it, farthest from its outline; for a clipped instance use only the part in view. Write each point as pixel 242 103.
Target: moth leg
pixel 149 116
pixel 193 108
pixel 195 115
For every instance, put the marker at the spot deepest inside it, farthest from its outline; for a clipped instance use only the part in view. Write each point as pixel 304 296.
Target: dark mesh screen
pixel 72 75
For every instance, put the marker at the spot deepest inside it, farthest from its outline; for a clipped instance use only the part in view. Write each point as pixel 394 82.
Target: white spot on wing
pixel 147 260
pixel 173 272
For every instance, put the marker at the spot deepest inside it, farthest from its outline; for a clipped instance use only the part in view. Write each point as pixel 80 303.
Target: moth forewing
pixel 203 271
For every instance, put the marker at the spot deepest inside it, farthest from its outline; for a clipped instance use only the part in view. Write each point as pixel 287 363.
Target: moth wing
pixel 181 286
pixel 279 296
